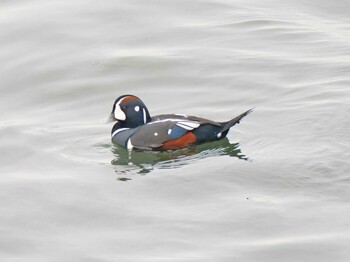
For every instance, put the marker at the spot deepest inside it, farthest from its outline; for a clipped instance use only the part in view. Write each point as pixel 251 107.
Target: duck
pixel 135 128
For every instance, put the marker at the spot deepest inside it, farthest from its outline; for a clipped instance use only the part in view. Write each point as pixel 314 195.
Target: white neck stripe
pixel 119 130
pixel 144 116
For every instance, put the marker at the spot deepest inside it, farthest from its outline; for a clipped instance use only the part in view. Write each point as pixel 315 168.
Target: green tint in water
pixel 145 161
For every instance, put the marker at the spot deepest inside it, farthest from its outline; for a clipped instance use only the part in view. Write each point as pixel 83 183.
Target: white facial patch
pixel 137 108
pixel 118 112
pixel 169 131
pixel 218 135
pixel 155 134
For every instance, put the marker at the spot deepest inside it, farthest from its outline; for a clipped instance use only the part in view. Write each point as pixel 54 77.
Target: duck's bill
pixel 109 119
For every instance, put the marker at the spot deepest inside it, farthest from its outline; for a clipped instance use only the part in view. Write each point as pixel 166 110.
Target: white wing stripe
pixel 184 127
pixel 174 120
pixel 190 124
pixel 164 120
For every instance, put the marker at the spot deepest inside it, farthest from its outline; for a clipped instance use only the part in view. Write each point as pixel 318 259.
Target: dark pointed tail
pixel 232 122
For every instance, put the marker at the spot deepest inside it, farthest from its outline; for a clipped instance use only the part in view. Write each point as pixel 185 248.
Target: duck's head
pixel 130 110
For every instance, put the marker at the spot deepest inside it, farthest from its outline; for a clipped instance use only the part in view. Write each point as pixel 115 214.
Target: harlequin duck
pixel 135 128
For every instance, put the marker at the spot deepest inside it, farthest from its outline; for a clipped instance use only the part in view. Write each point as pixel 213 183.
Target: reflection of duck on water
pixel 135 128
pixel 137 161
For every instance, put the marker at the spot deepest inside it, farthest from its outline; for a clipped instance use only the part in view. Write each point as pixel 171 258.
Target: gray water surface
pixel 277 189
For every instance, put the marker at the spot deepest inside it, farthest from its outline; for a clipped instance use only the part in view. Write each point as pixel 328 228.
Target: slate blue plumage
pixel 135 128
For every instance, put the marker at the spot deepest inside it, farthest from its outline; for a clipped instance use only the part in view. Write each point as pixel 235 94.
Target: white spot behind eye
pixel 137 108
pixel 169 131
pixel 155 134
pixel 218 135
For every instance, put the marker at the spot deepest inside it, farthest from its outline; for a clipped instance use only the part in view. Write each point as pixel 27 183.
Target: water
pixel 276 190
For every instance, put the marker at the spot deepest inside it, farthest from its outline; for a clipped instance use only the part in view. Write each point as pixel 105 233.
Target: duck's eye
pixel 137 108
